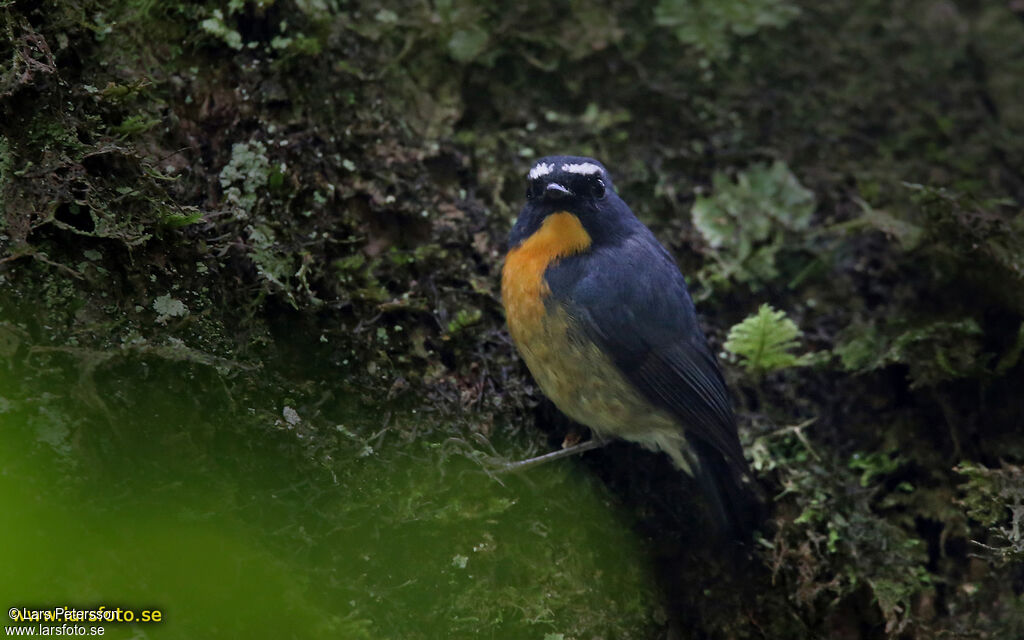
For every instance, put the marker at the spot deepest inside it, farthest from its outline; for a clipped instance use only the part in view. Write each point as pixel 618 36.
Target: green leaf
pixel 216 26
pixel 168 307
pixel 135 124
pixel 878 463
pixel 907 234
pixel 1012 356
pixel 182 218
pixel 764 341
pixel 466 44
pixel 464 318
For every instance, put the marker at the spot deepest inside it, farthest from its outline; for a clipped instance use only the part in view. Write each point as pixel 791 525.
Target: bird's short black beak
pixel 555 191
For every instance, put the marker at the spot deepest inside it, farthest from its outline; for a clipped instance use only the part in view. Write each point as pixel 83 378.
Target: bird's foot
pixel 572 438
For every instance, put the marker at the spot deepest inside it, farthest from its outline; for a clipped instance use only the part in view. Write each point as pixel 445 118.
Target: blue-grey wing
pixel 633 303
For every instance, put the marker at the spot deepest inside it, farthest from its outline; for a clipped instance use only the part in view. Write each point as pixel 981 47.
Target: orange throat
pixel 523 287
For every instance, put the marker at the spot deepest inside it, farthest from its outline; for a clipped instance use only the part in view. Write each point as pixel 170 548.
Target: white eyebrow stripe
pixel 541 169
pixel 583 169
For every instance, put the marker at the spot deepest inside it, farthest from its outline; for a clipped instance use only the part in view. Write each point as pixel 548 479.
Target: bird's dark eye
pixel 530 191
pixel 597 188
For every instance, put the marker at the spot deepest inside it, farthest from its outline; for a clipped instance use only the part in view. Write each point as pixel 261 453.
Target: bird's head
pixel 558 181
pixel 576 185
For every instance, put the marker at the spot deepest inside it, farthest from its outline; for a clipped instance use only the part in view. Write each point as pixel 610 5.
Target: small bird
pixel 601 314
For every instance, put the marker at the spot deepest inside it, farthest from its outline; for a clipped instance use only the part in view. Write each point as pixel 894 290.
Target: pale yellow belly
pixel 585 385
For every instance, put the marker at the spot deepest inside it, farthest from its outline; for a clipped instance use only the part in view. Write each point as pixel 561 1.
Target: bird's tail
pixel 734 505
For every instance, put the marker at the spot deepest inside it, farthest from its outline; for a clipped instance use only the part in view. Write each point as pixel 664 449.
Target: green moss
pixel 935 352
pixel 246 174
pixel 995 499
pixel 6 164
pixel 273 263
pixel 874 464
pixel 217 27
pixel 712 26
pixel 749 221
pixel 843 529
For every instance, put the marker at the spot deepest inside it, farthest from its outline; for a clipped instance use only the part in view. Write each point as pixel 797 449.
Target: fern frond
pixel 764 341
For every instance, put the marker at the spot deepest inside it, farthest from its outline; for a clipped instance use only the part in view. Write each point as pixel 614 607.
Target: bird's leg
pixel 529 463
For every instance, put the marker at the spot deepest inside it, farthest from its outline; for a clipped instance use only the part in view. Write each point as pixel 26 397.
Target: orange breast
pixel 523 287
